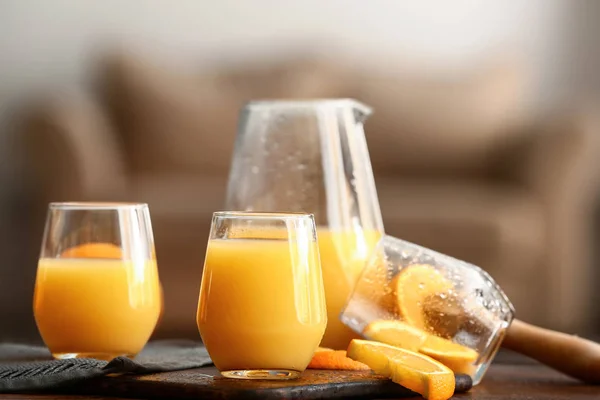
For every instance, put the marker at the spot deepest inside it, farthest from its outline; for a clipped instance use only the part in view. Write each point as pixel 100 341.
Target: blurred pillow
pixel 174 121
pixel 424 123
pixel 72 147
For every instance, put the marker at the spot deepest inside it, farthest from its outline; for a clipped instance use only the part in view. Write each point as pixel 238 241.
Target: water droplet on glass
pixel 421 285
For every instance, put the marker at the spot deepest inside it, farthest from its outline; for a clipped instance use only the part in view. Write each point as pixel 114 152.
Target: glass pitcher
pixel 311 156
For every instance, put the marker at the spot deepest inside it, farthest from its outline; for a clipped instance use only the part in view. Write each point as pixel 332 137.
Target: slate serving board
pixel 206 383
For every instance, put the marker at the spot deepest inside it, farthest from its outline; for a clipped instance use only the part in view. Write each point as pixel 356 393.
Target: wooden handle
pixel 572 355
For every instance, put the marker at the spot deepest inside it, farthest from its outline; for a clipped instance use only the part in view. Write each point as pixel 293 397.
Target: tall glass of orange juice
pixel 261 312
pixel 97 291
pixel 312 156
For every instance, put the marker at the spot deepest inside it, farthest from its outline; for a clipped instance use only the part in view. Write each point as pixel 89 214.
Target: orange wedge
pixel 414 371
pixel 413 285
pixel 94 250
pixel 325 358
pixel 458 358
pixel 396 333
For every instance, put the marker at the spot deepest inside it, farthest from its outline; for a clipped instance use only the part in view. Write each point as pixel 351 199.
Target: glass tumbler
pixel 261 312
pixel 97 292
pixel 424 301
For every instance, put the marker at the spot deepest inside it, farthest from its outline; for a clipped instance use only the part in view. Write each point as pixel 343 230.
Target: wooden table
pixel 533 382
pixel 503 381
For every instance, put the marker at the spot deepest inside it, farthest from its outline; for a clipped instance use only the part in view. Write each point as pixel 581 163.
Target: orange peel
pixel 325 358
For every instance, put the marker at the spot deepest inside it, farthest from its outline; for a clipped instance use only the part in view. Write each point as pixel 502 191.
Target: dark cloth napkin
pixel 31 368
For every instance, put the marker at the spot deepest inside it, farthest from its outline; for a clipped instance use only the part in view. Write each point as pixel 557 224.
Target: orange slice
pixel 395 333
pixel 414 371
pixel 458 358
pixel 413 285
pixel 94 250
pixel 325 358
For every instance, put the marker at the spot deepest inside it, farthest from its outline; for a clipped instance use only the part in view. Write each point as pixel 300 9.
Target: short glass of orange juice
pixel 261 312
pixel 97 291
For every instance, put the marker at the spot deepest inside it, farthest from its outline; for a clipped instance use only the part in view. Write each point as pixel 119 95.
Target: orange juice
pixel 96 307
pixel 343 256
pixel 261 304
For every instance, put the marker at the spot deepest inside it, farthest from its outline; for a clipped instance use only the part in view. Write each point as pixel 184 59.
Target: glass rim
pixel 95 205
pixel 307 103
pixel 262 215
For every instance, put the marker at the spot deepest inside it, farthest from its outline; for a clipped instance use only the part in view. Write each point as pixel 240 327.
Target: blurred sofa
pixel 460 167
